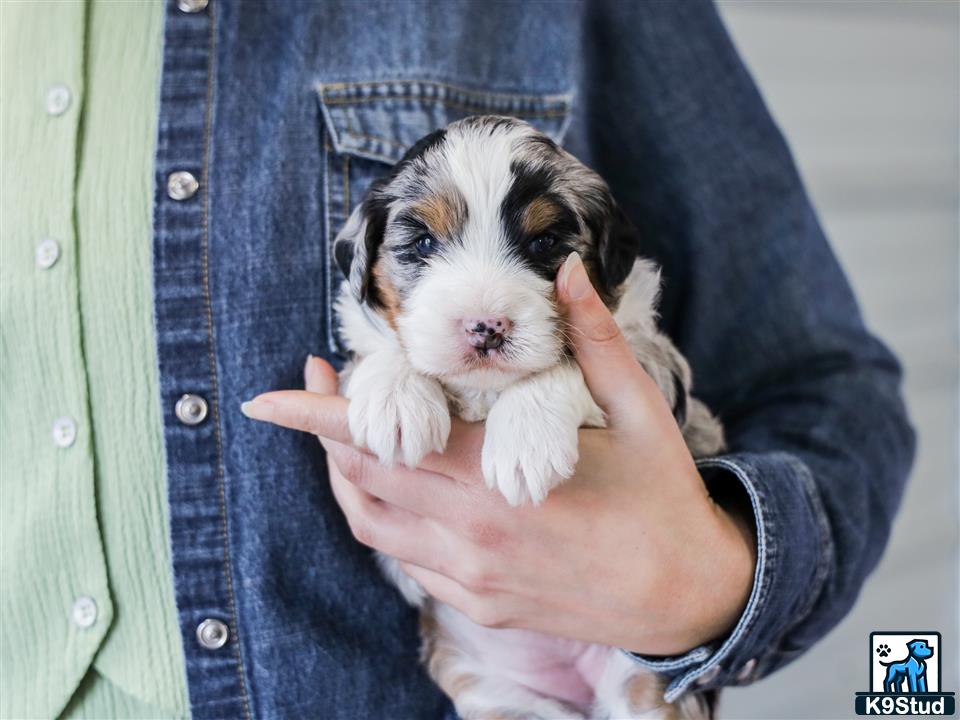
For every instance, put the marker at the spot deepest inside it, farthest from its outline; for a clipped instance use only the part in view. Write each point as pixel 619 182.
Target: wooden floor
pixel 867 95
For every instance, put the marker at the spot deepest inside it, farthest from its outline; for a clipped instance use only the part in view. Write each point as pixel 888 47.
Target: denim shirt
pixel 285 112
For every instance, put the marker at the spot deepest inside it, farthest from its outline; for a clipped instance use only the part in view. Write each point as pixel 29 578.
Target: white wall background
pixel 867 95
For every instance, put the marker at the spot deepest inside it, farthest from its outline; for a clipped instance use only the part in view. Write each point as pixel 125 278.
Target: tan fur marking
pixel 439 655
pixel 644 692
pixel 387 293
pixel 539 215
pixel 444 214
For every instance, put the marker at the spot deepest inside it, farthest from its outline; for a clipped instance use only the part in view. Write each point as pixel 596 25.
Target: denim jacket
pixel 285 112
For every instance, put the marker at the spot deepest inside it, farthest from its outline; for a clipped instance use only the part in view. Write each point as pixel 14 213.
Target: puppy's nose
pixel 487 334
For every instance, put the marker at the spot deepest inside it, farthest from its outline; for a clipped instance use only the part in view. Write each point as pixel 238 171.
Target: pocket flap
pixel 381 120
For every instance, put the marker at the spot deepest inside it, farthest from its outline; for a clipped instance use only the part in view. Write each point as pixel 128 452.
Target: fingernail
pixel 256 410
pixel 574 278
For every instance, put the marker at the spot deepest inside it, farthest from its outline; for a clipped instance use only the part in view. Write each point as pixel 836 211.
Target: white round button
pixel 182 185
pixel 192 6
pixel 84 611
pixel 48 251
pixel 57 100
pixel 64 432
pixel 212 634
pixel 709 676
pixel 191 409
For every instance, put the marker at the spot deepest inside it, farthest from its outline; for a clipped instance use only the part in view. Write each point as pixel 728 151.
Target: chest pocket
pixel 368 126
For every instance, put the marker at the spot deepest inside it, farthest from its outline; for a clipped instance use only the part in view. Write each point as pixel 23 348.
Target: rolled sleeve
pixel 794 549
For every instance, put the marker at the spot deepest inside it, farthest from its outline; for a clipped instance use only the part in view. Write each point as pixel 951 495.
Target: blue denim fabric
pixel 286 111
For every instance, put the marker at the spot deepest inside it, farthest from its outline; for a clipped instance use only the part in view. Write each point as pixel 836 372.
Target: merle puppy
pixel 450 307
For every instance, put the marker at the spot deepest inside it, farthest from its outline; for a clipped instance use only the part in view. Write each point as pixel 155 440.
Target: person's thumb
pixel 319 376
pixel 602 352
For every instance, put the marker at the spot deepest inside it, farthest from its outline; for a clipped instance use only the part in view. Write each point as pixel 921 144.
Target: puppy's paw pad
pixel 526 452
pixel 401 421
pixel 883 650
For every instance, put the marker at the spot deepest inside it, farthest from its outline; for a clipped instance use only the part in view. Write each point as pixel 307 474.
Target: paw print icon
pixel 883 650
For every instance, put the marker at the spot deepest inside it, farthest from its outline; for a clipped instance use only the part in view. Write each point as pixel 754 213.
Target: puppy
pixel 449 307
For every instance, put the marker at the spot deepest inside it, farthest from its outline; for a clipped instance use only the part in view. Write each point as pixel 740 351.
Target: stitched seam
pixel 469 101
pixel 335 87
pixel 691 658
pixel 370 155
pixel 328 249
pixel 346 187
pixel 215 392
pixel 376 138
pixel 402 146
pixel 465 106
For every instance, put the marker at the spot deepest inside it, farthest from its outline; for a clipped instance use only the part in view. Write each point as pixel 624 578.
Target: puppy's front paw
pixel 397 415
pixel 527 450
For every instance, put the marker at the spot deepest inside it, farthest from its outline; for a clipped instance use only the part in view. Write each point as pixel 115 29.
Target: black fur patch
pixel 419 148
pixel 679 401
pixel 343 254
pixel 617 246
pixel 375 209
pixel 530 183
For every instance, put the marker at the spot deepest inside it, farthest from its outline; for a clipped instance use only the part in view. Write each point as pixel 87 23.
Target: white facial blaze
pixel 477 277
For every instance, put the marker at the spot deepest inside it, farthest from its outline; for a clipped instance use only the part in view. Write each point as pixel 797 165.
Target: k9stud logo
pixel 905 676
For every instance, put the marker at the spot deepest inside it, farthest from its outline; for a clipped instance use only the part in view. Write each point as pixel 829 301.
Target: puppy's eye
pixel 542 245
pixel 426 245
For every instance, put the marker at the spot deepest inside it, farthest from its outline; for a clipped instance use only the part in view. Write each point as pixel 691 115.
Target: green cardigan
pixel 85 572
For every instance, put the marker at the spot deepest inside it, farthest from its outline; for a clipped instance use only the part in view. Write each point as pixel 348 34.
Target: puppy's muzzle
pixel 487 334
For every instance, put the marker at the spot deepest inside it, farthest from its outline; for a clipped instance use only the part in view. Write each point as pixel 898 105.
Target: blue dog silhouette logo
pixel 909 674
pixel 905 675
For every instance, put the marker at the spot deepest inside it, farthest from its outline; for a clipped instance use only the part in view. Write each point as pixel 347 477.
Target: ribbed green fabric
pixel 76 340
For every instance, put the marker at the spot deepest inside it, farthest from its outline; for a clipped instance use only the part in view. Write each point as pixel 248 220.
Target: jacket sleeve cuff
pixel 794 551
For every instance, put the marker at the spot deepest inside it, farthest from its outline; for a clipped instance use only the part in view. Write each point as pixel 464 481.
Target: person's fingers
pixel 385 527
pixel 461 458
pixel 482 607
pixel 323 415
pixel 607 362
pixel 326 417
pixel 319 376
pixel 417 490
pixel 437 585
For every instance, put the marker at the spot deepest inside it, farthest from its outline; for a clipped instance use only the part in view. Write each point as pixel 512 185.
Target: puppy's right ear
pixel 343 254
pixel 357 244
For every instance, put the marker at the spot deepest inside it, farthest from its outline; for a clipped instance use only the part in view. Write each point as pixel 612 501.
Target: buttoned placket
pixel 48 271
pixel 203 572
pixel 57 101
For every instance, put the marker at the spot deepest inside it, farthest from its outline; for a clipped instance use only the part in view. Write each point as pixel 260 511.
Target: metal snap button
pixel 746 672
pixel 191 409
pixel 182 185
pixel 192 6
pixel 212 634
pixel 709 676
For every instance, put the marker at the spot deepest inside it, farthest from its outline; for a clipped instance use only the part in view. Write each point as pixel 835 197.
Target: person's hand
pixel 630 552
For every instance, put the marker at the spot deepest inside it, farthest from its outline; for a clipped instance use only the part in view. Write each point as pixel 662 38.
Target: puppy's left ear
pixel 618 248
